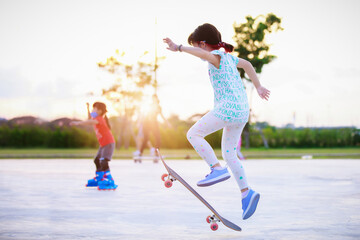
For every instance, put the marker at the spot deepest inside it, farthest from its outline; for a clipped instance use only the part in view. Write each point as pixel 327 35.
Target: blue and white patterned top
pixel 230 99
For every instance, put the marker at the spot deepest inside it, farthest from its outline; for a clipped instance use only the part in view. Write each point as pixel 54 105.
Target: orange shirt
pixel 102 132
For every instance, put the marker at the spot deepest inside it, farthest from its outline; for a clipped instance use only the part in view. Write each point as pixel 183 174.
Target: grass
pixel 255 153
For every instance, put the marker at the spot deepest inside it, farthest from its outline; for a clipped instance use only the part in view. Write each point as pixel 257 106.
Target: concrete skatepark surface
pixel 300 199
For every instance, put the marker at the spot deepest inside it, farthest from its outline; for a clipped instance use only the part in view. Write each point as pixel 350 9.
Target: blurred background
pixel 55 56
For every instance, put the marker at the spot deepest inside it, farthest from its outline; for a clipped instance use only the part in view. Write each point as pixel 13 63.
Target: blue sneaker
pixel 249 204
pixel 215 176
pixel 94 181
pixel 107 183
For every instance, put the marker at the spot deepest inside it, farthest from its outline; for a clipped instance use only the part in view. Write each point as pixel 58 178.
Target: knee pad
pixel 97 163
pixel 104 163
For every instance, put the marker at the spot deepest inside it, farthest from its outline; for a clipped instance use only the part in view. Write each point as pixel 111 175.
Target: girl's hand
pixel 171 45
pixel 263 92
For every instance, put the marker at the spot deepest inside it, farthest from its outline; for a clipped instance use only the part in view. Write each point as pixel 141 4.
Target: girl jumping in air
pixel 98 119
pixel 231 109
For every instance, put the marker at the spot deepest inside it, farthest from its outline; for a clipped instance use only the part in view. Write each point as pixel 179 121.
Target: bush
pixel 175 138
pixel 40 136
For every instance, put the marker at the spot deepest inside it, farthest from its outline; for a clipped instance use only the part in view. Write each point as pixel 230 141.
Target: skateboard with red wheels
pixel 213 219
pixel 139 159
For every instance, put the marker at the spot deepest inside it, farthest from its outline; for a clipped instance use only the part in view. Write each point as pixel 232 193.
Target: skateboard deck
pixel 139 159
pixel 212 220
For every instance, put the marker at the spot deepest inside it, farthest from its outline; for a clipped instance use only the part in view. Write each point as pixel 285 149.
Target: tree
pixel 251 45
pixel 130 79
pixel 132 82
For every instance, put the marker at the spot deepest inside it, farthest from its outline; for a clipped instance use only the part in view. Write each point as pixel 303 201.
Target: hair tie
pixel 228 48
pixel 221 44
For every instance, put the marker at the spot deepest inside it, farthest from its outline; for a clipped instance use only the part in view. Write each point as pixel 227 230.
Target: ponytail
pixel 211 36
pixel 228 47
pixel 107 121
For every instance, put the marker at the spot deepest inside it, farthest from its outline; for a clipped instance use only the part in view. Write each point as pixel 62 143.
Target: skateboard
pixel 139 159
pixel 213 219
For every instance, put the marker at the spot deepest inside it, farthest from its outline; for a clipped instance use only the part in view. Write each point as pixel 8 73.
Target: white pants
pixel 230 138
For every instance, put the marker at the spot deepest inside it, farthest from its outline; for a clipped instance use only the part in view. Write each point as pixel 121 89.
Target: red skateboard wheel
pixel 168 183
pixel 165 175
pixel 214 226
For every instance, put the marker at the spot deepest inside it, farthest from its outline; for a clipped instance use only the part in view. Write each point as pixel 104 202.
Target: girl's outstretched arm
pixel 88 110
pixel 250 71
pixel 197 52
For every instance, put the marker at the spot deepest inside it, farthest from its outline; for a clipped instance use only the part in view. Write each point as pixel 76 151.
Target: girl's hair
pixel 211 36
pixel 102 107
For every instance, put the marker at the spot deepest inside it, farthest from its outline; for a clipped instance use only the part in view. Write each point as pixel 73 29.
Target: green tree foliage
pixel 250 40
pixel 131 81
pixel 309 138
pixel 251 45
pixel 175 138
pixel 39 136
pixel 134 85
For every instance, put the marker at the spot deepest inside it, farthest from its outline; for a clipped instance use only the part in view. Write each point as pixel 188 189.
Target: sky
pixel 49 52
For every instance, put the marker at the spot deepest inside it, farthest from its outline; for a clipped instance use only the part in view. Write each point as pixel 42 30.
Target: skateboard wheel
pixel 208 219
pixel 164 176
pixel 214 226
pixel 168 183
